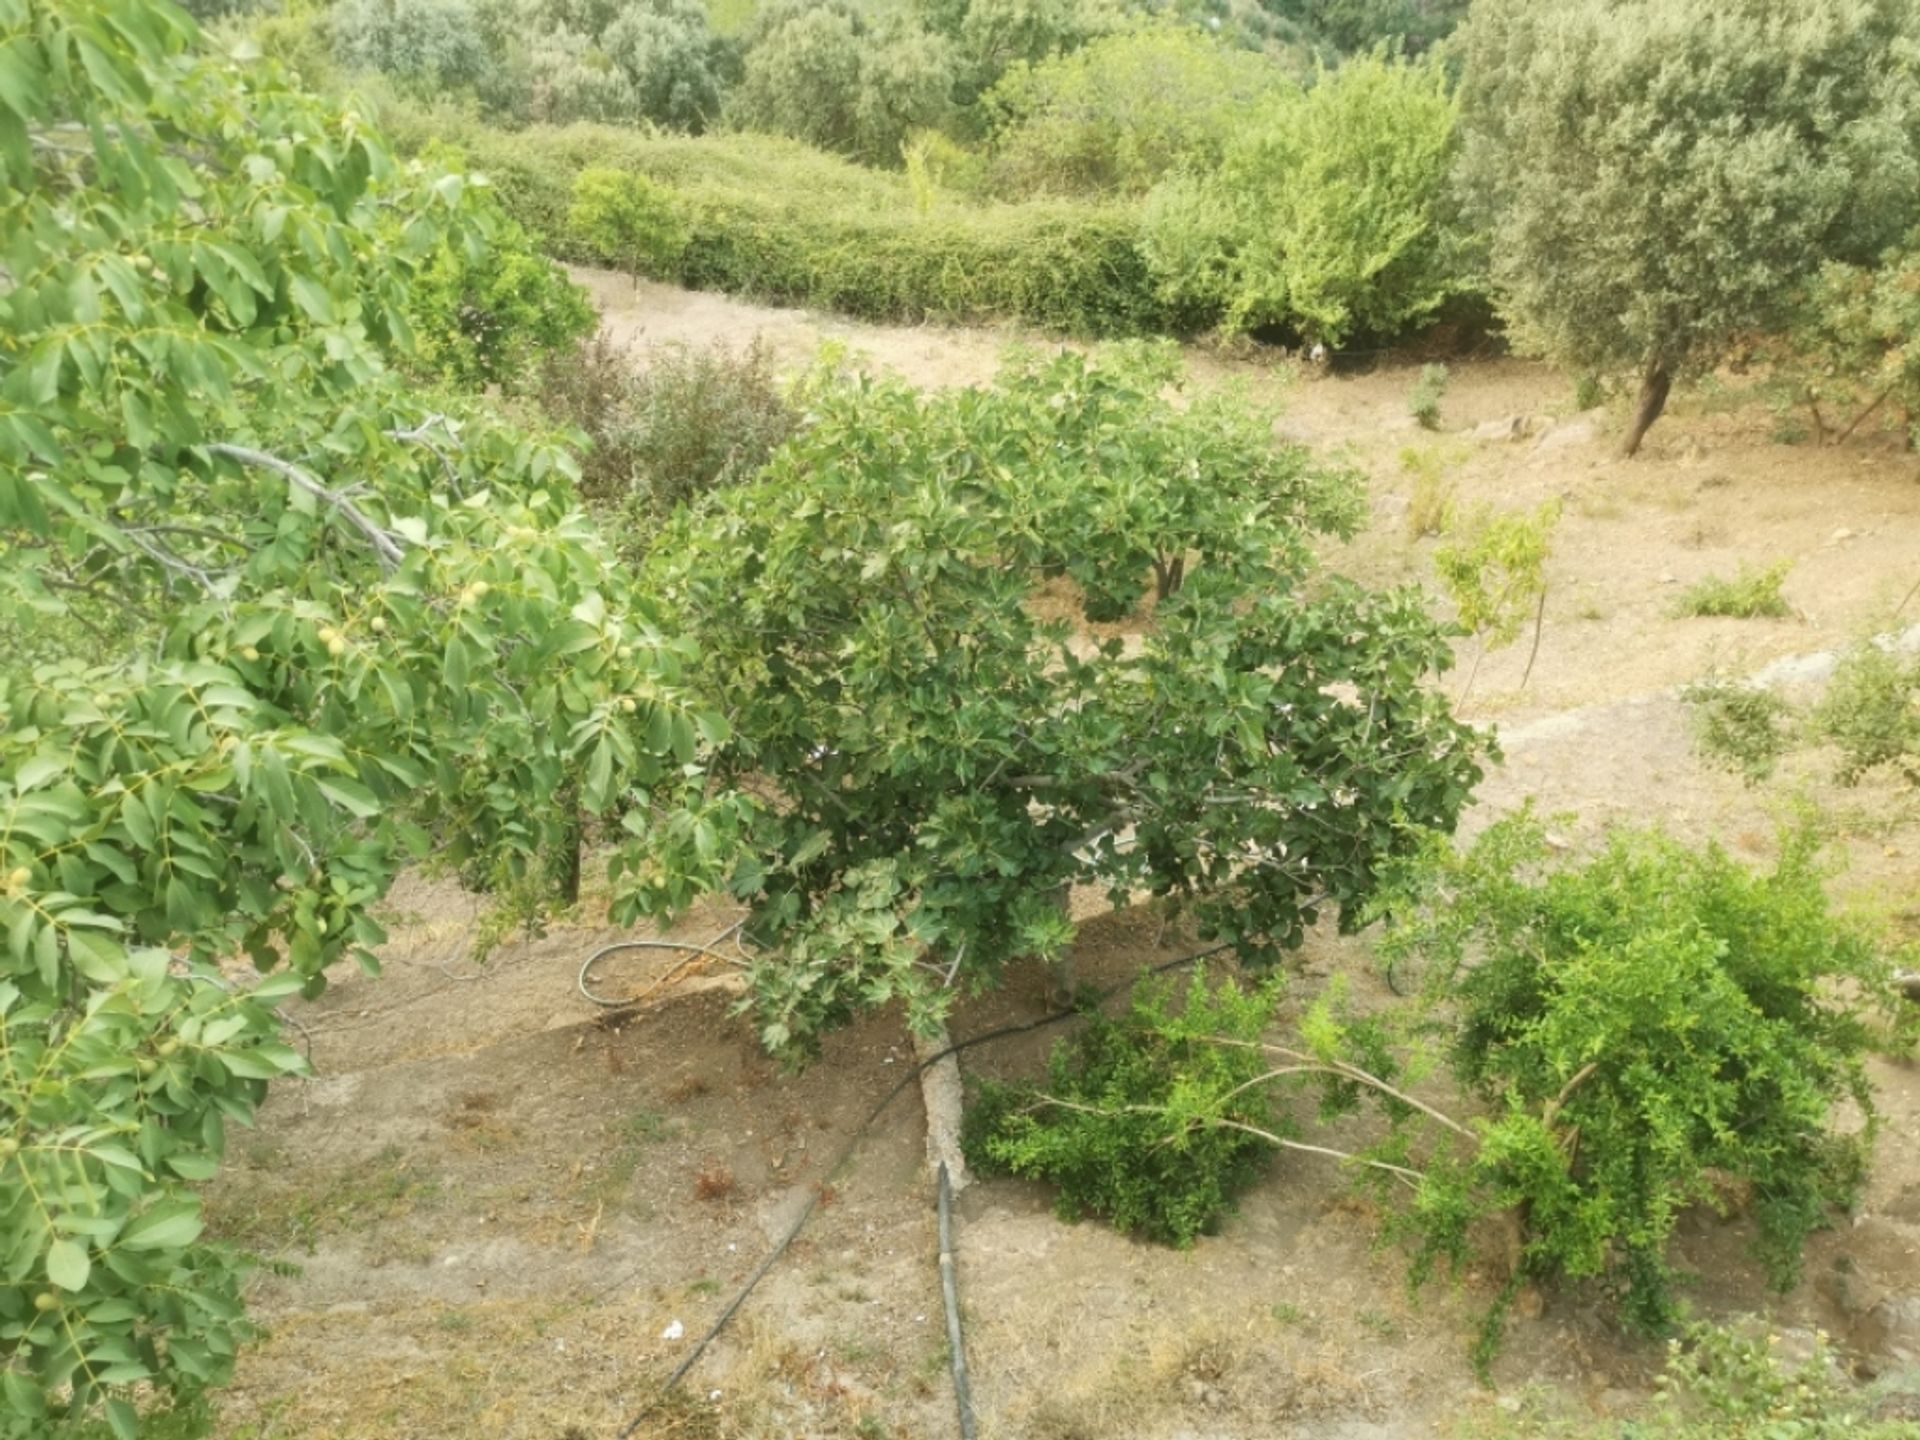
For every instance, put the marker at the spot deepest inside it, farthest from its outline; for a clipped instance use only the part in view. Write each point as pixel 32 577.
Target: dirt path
pixel 512 1212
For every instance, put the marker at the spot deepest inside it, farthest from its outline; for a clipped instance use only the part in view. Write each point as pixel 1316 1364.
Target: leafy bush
pixel 1659 177
pixel 1752 594
pixel 1604 1129
pixel 668 430
pixel 1430 506
pixel 1123 112
pixel 490 314
pixel 628 219
pixel 1327 214
pixel 946 759
pixel 826 74
pixel 778 221
pixel 1424 404
pixel 1136 1123
pixel 1742 727
pixel 1869 710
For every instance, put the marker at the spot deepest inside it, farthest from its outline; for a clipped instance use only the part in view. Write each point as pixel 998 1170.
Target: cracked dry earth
pixel 495 1200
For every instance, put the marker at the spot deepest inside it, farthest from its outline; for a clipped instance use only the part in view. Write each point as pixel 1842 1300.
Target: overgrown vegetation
pixel 1326 215
pixel 1742 727
pixel 1493 566
pixel 666 427
pixel 1869 710
pixel 1148 1121
pixel 1602 1130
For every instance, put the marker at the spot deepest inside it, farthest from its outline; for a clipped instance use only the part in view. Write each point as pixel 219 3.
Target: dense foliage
pixel 490 310
pixel 1327 214
pixel 627 219
pixel 1565 989
pixel 1139 1120
pixel 1123 112
pixel 1853 351
pixel 938 758
pixel 823 72
pixel 280 622
pixel 1657 177
pixel 778 221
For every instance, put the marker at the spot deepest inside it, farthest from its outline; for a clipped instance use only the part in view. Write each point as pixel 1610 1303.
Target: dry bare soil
pixel 501 1201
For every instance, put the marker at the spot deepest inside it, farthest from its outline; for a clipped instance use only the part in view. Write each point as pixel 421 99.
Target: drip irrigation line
pixel 950 1292
pixel 846 1153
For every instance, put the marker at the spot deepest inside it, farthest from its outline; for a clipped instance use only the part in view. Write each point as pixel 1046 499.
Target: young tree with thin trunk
pixel 1657 177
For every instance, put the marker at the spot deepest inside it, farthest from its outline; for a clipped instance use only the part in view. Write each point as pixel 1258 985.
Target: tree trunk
pixel 1654 385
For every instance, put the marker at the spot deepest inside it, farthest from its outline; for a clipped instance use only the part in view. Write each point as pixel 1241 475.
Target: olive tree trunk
pixel 1655 383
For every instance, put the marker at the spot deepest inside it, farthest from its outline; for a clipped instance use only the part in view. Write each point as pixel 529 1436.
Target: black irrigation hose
pixel 853 1141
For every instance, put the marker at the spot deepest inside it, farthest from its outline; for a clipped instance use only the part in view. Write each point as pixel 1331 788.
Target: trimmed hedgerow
pixel 776 220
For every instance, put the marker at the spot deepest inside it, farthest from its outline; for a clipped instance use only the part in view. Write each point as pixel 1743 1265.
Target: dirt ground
pixel 505 1212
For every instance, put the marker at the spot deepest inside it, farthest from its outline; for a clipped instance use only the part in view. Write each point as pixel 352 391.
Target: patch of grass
pixel 1739 727
pixel 266 1216
pixel 1752 594
pixel 629 1138
pixel 1288 1314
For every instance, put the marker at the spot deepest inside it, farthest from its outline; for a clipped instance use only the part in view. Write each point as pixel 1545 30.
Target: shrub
pixel 1326 216
pixel 1658 177
pixel 1741 727
pixel 1136 1121
pixel 1424 404
pixel 1869 712
pixel 778 221
pixel 629 219
pixel 1752 594
pixel 668 430
pixel 1122 113
pixel 490 315
pixel 1605 1128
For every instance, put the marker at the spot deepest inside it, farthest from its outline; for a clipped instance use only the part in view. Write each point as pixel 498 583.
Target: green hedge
pixel 777 220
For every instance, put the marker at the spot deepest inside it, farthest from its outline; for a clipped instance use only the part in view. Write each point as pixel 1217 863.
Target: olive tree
pixel 279 622
pixel 892 612
pixel 1657 177
pixel 826 74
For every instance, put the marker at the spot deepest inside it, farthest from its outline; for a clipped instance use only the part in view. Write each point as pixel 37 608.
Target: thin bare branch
pixel 386 545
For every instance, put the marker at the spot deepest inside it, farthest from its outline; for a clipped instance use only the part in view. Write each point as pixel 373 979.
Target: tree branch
pixel 385 544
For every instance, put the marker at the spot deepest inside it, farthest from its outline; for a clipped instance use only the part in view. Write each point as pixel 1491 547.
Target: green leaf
pixel 68 1265
pixel 166 1226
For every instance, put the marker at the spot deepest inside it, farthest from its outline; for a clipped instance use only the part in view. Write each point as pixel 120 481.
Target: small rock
pixel 673 1331
pixel 1509 1403
pixel 1840 536
pixel 1892 1328
pixel 1529 1303
pixel 1514 427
